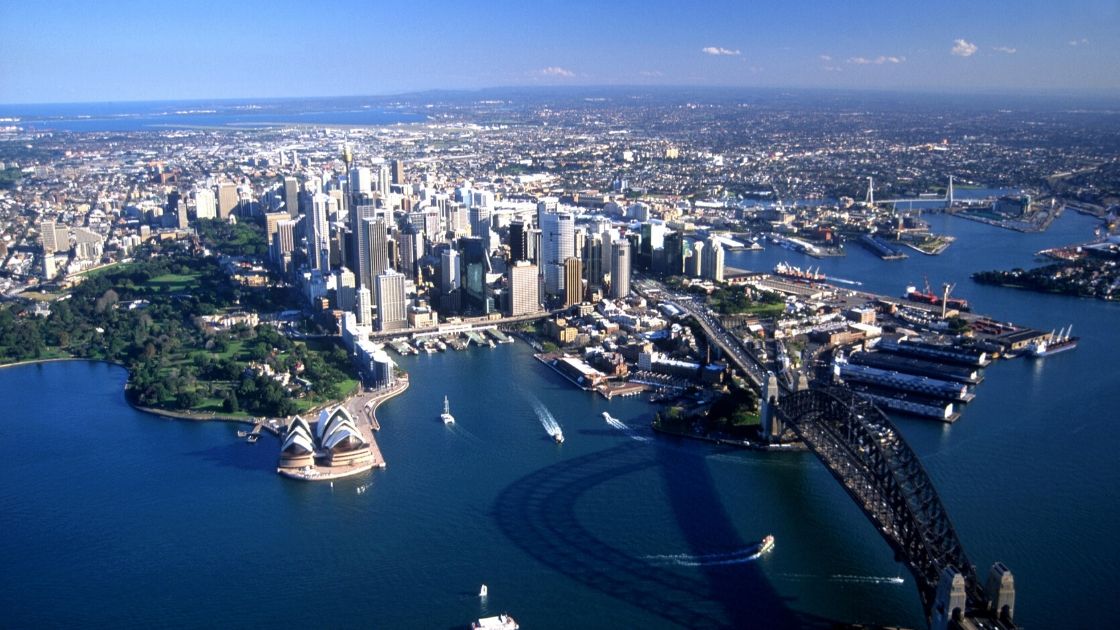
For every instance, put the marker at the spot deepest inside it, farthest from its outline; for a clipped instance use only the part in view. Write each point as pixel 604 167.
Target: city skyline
pixel 133 52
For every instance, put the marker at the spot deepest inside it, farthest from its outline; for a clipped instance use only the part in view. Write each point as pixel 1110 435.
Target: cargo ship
pixel 929 297
pixel 786 270
pixel 1054 344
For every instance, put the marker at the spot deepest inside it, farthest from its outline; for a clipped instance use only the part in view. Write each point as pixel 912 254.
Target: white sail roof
pixel 298 440
pixel 344 432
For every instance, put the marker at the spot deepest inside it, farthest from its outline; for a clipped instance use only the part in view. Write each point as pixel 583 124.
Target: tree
pixel 230 404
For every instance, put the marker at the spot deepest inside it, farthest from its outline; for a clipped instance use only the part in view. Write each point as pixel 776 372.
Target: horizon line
pixel 1048 92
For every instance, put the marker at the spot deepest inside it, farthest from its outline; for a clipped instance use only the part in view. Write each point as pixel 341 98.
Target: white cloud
pixel 962 48
pixel 1078 42
pixel 1005 49
pixel 720 52
pixel 878 61
pixel 826 58
pixel 652 73
pixel 556 71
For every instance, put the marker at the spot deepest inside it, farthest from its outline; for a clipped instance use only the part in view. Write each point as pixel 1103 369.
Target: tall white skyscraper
pixel 450 270
pixel 524 288
pixel 344 289
pixel 205 204
pixel 383 179
pixel 363 307
pixel 361 181
pixel 358 215
pixel 557 245
pixel 392 311
pixel 318 234
pixel 620 269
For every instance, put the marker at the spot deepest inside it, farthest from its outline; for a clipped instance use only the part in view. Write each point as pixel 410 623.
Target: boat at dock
pixel 929 297
pixel 446 415
pixel 1053 344
pixel 786 270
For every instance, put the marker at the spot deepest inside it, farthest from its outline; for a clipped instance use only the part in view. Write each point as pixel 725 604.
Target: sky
pixel 71 51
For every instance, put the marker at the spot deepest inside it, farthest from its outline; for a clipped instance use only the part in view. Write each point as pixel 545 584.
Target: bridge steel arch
pixel 864 451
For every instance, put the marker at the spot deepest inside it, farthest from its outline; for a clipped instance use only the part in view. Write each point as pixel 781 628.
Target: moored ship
pixel 929 297
pixel 786 270
pixel 1054 344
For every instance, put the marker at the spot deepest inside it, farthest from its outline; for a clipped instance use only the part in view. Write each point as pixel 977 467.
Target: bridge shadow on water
pixel 538 513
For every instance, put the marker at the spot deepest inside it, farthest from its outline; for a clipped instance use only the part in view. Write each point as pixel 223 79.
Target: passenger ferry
pixel 766 545
pixel 500 622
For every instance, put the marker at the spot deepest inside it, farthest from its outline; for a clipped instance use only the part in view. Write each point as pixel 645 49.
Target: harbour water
pixel 141 116
pixel 113 517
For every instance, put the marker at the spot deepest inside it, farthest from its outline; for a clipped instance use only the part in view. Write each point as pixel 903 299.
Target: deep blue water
pixel 139 116
pixel 113 517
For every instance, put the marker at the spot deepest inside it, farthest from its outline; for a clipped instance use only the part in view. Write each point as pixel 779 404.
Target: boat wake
pixel 849 579
pixel 618 424
pixel 854 283
pixel 547 420
pixel 741 556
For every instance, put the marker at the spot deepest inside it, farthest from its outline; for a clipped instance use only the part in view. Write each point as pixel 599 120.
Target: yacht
pixel 559 437
pixel 446 415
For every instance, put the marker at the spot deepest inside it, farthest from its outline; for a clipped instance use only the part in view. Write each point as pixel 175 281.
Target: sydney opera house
pixel 335 447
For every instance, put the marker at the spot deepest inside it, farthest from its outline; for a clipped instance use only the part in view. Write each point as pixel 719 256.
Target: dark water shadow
pixel 538 514
pixel 239 454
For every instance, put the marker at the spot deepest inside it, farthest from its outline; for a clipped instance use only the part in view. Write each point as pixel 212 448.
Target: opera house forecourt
pixel 335 448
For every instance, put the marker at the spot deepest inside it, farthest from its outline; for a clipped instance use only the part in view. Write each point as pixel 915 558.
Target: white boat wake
pixel 618 424
pixel 547 420
pixel 854 283
pixel 850 579
pixel 747 554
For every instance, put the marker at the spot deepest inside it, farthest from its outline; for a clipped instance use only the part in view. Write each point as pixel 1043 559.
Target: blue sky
pixel 124 50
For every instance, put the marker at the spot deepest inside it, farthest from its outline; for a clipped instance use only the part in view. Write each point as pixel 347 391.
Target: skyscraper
pixel 449 270
pixel 593 260
pixel 620 269
pixel 318 235
pixel 412 250
pixel 524 288
pixel 573 281
pixel 284 242
pixel 205 205
pixel 271 220
pixel 397 167
pixel 518 241
pixel 363 307
pixel 344 289
pixel 360 235
pixel 557 244
pixel 291 196
pixel 227 199
pixel 392 311
pixel 49 235
pixel 695 263
pixel 714 261
pixel 378 238
pixel 361 181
